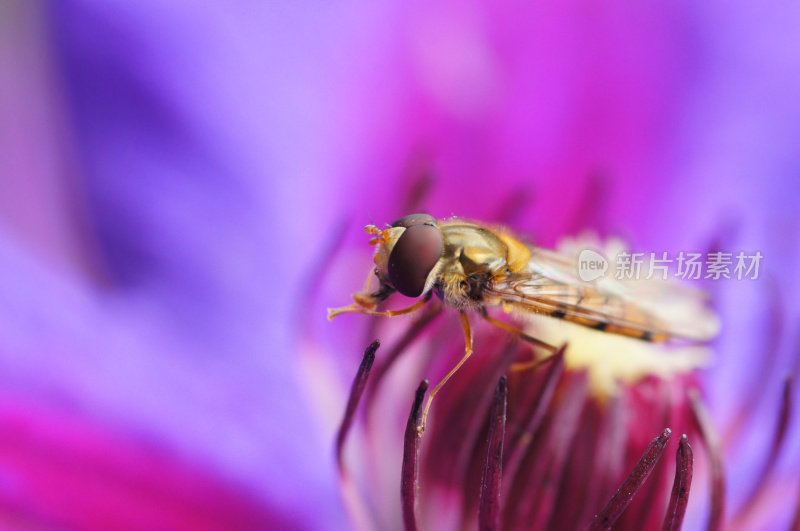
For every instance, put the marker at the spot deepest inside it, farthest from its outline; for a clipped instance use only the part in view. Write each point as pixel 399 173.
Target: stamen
pixel 489 508
pixel 709 438
pixel 651 501
pixel 796 365
pixel 519 450
pixel 684 464
pixel 758 390
pixel 419 188
pixel 606 457
pixel 777 443
pixel 359 382
pixel 619 502
pixel 413 331
pixel 535 413
pixel 409 477
pixel 320 267
pixel 592 212
pixel 466 430
pixel 796 520
pixel 545 463
pixel 353 499
pixel 514 206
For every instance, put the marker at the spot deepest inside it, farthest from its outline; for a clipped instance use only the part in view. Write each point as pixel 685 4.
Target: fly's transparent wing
pixel 652 310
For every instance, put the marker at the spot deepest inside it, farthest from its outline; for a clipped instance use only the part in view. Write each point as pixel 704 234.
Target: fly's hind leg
pixel 525 365
pixel 467 353
pixel 530 364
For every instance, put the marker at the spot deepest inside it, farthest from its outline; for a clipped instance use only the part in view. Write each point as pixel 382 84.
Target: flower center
pixel 611 360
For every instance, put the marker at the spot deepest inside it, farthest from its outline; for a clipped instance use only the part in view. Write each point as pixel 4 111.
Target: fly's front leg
pixel 366 304
pixel 467 353
pixel 367 300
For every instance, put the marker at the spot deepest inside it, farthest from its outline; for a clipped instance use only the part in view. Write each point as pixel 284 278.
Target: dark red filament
pixel 795 525
pixel 489 507
pixel 777 443
pixel 417 327
pixel 709 439
pixel 537 410
pixel 684 465
pixel 772 341
pixel 409 477
pixel 619 502
pixel 359 382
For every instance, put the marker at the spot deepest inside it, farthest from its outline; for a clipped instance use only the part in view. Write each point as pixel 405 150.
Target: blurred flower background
pixel 172 175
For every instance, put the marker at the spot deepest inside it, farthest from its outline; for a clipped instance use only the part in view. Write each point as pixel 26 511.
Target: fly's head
pixel 408 254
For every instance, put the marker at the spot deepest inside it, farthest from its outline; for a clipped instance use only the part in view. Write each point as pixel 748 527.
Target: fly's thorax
pixel 518 254
pixel 477 248
pixel 473 256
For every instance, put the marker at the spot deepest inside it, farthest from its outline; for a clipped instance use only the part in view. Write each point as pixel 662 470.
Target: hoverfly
pixel 473 267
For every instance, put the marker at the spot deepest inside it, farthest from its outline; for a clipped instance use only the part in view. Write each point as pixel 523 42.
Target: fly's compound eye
pixel 415 219
pixel 413 257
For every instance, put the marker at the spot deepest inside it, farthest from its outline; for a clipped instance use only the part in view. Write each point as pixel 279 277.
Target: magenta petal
pixel 61 471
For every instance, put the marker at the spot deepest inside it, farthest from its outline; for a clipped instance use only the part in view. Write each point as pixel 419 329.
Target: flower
pixel 171 171
pixel 561 439
pixel 654 205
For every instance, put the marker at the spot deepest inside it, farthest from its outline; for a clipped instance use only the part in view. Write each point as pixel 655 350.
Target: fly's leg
pixel 517 332
pixel 367 307
pixel 467 353
pixel 365 300
pixel 367 283
pixel 530 364
pixel 525 365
